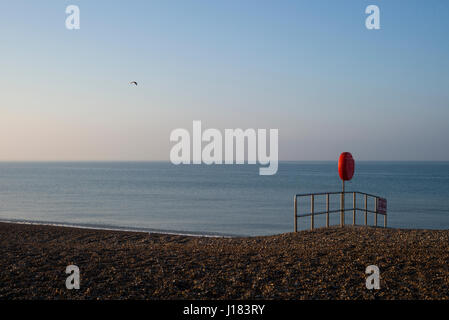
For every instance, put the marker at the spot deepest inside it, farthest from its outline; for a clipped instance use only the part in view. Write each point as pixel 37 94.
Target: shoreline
pixel 119 228
pixel 320 264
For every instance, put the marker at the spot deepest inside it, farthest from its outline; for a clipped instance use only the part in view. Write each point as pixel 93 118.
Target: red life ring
pixel 346 166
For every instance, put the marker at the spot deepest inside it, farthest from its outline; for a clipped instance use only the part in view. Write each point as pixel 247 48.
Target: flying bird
pixel 133 82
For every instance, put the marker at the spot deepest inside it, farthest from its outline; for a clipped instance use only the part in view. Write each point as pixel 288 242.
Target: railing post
pixel 312 209
pixel 366 209
pixel 375 211
pixel 327 210
pixel 354 206
pixel 342 206
pixel 296 212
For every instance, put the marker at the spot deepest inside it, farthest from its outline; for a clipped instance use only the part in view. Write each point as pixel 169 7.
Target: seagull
pixel 133 82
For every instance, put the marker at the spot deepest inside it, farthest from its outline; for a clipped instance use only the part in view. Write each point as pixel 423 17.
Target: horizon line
pixel 168 161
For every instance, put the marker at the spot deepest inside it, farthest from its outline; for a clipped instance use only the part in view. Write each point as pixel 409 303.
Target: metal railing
pixel 342 208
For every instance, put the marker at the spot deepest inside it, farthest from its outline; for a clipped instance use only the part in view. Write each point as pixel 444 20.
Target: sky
pixel 310 69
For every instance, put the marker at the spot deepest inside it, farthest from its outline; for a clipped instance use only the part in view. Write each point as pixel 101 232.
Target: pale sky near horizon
pixel 308 68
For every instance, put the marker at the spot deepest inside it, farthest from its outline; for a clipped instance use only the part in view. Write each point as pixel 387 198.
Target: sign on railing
pixel 382 205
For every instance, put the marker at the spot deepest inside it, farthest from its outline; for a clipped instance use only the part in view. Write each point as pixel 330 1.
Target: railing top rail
pixel 334 192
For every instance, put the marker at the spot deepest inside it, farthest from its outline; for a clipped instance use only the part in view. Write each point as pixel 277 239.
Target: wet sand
pixel 323 264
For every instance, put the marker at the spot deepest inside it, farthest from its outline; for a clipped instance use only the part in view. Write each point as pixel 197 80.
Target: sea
pixel 216 200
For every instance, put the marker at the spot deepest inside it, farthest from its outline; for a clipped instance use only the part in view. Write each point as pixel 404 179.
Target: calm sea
pixel 222 200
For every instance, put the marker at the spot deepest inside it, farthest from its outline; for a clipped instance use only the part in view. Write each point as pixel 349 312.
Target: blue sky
pixel 308 68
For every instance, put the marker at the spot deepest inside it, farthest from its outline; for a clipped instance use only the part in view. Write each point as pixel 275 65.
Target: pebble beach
pixel 320 264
